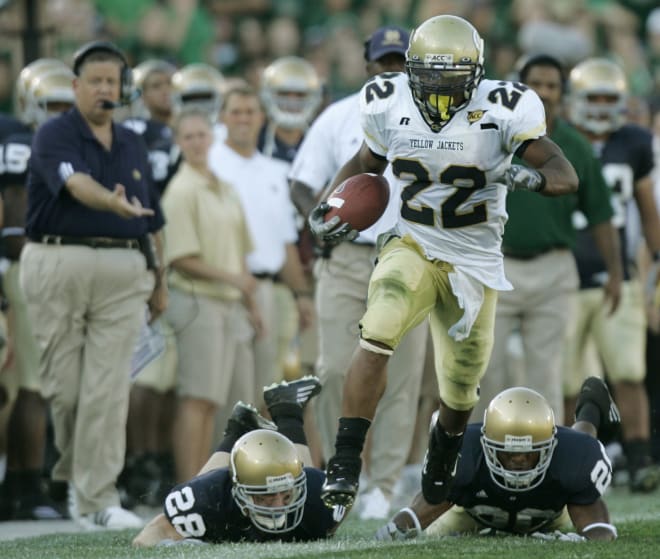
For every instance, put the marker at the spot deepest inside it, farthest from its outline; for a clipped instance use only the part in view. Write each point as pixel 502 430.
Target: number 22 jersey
pixel 451 201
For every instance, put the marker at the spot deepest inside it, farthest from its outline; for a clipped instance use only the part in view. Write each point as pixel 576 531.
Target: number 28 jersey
pixel 451 201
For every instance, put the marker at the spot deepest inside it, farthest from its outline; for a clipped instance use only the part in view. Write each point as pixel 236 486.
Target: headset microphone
pixel 109 105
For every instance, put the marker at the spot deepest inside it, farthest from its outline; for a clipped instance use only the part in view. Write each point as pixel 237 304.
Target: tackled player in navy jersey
pixel 518 473
pixel 256 486
pixel 598 93
pixel 450 136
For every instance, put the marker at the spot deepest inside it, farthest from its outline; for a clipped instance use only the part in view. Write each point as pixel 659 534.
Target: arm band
pixel 605 525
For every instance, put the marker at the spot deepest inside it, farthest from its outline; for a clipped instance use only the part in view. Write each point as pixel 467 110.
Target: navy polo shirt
pixel 65 145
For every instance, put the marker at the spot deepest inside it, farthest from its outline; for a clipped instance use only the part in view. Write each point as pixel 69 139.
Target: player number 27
pixel 190 524
pixel 467 181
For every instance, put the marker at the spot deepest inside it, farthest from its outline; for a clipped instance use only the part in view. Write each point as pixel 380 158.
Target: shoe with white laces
pixel 111 518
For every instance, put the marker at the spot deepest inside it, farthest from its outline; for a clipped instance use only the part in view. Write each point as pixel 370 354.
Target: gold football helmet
pixel 598 92
pixel 265 463
pixel 291 92
pixel 140 75
pixel 445 63
pixel 49 94
pixel 200 85
pixel 518 420
pixel 143 70
pixel 25 79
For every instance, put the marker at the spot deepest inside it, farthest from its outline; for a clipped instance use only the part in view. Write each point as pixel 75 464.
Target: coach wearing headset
pixel 88 272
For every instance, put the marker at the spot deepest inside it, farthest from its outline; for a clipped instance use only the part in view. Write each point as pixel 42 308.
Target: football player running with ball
pixel 450 136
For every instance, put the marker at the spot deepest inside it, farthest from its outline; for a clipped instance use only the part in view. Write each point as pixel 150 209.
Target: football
pixel 360 200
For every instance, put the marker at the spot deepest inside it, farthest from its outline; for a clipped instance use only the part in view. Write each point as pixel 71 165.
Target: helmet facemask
pixel 517 480
pixel 441 90
pixel 268 481
pixel 445 64
pixel 273 519
pixel 518 421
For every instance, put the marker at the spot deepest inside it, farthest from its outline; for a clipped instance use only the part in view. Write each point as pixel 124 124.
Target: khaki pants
pixel 26 353
pixel 341 298
pixel 541 306
pixel 86 307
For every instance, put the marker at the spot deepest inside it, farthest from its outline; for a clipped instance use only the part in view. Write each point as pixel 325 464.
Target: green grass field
pixel 636 517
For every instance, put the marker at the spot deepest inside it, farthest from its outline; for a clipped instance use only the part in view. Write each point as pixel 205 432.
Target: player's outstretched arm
pixel 557 173
pixel 157 530
pixel 410 521
pixel 592 521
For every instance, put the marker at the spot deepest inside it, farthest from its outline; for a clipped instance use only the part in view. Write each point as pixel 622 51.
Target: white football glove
pixel 391 532
pixel 558 536
pixel 519 177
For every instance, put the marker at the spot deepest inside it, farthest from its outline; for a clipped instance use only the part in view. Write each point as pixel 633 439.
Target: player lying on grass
pixel 518 473
pixel 255 487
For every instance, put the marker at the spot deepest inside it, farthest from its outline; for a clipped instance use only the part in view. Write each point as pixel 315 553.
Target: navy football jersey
pixel 163 153
pixel 204 508
pixel 626 157
pixel 579 474
pixel 271 146
pixel 15 141
pixel 15 152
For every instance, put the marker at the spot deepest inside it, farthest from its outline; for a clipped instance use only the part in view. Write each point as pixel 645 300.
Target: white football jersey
pixel 451 201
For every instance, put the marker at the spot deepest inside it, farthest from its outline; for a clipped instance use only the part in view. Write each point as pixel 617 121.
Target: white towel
pixel 469 293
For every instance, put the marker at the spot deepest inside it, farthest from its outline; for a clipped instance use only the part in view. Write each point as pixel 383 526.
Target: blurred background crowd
pixel 240 37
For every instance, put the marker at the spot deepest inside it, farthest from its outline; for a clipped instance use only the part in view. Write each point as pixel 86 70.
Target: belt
pixel 266 275
pixel 529 255
pixel 92 242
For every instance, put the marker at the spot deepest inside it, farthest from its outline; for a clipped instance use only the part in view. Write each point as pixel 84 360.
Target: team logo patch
pixel 431 58
pixel 474 116
pixel 136 175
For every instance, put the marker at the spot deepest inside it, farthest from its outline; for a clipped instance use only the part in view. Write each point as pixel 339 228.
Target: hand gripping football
pixel 360 200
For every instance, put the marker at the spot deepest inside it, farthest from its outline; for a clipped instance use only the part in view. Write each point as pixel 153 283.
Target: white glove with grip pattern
pixel 392 532
pixel 519 177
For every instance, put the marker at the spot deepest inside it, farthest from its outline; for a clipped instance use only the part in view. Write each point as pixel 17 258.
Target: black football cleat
pixel 298 391
pixel 595 390
pixel 245 418
pixel 440 462
pixel 342 481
